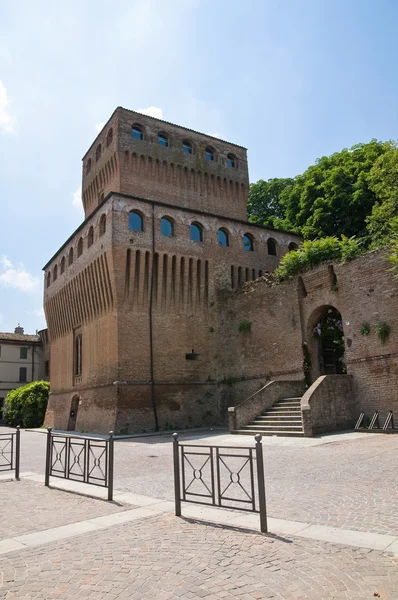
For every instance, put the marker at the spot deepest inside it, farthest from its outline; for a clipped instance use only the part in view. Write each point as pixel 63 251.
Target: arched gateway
pixel 326 342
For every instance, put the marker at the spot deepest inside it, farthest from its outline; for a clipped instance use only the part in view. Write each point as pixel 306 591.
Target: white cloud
pixel 99 126
pixel 77 197
pixel 17 277
pixel 6 120
pixel 151 111
pixel 216 135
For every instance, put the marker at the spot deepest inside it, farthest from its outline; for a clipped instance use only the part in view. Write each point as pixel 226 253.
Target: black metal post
pixel 261 484
pixel 177 485
pixel 111 444
pixel 48 457
pixel 17 451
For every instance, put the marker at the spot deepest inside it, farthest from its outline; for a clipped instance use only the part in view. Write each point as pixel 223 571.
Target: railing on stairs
pixel 241 414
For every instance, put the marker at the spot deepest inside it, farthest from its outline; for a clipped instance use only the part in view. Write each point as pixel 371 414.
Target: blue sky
pixel 291 80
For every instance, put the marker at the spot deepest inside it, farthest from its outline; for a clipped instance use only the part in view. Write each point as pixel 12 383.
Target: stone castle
pixel 158 307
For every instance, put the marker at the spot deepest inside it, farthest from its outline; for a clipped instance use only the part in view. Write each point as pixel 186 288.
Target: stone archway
pixel 326 346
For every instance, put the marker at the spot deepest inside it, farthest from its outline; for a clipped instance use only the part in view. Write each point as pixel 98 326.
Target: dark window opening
pixel 163 140
pixel 109 137
pixel 98 152
pixel 23 374
pixel 137 133
pixel 46 368
pixel 271 247
pixel 90 237
pixel 80 247
pixel 187 147
pixel 63 264
pixel 166 227
pixel 292 246
pixel 223 238
pixel 209 154
pixel 248 244
pixel 196 232
pixel 70 258
pixel 23 353
pixel 88 166
pixel 102 225
pixel 78 363
pixel 136 222
pixel 55 273
pixel 231 160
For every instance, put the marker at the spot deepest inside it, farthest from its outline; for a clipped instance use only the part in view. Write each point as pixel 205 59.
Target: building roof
pixel 161 121
pixel 18 337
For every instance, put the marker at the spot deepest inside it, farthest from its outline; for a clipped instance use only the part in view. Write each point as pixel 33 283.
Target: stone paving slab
pixel 31 507
pixel 166 558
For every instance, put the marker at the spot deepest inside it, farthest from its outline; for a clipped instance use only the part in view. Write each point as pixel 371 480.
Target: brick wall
pixel 283 317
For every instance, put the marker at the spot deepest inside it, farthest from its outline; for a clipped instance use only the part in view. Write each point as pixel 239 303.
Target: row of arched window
pixel 79 250
pixel 136 223
pixel 137 133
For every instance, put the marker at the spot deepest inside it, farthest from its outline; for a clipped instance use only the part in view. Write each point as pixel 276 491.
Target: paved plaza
pixel 333 517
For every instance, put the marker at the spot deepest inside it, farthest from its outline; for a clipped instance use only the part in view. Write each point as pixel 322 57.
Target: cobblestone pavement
pixel 164 557
pixel 349 483
pixel 29 507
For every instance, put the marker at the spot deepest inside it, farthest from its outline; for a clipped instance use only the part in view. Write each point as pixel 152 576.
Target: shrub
pixel 312 253
pixel 365 328
pixel 383 330
pixel 26 406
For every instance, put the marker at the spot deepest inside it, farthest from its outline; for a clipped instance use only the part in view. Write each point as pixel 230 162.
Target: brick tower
pixel 134 297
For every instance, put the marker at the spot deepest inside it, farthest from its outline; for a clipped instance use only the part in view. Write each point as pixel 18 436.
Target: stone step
pixel 269 433
pixel 277 417
pixel 297 398
pixel 283 411
pixel 278 427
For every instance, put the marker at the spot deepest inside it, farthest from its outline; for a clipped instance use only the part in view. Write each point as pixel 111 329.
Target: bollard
pixel 48 457
pixel 111 446
pixel 261 484
pixel 177 486
pixel 17 451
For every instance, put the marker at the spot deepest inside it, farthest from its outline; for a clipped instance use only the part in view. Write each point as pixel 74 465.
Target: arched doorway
pixel 74 407
pixel 326 342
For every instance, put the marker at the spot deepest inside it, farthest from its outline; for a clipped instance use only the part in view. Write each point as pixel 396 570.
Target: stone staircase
pixel 284 418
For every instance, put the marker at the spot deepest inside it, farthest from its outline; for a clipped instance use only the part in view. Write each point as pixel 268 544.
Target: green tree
pixel 382 224
pixel 265 203
pixel 334 197
pixel 27 405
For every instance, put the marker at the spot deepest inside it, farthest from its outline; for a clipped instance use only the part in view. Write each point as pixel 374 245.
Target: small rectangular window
pixel 192 356
pixel 23 353
pixel 46 368
pixel 78 362
pixel 22 374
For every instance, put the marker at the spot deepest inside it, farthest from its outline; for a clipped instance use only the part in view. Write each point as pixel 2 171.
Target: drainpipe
pixel 151 323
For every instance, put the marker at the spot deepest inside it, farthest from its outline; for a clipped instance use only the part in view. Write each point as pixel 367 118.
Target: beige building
pixel 21 360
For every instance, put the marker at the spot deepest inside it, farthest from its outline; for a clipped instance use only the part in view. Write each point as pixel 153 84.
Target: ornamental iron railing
pixel 10 451
pixel 227 477
pixel 80 458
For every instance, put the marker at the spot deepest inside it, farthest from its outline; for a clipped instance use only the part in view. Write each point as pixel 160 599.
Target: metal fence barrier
pixel 80 458
pixel 10 451
pixel 220 476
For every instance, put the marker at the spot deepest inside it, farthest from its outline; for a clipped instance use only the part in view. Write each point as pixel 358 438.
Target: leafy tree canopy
pixel 352 193
pixel 26 405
